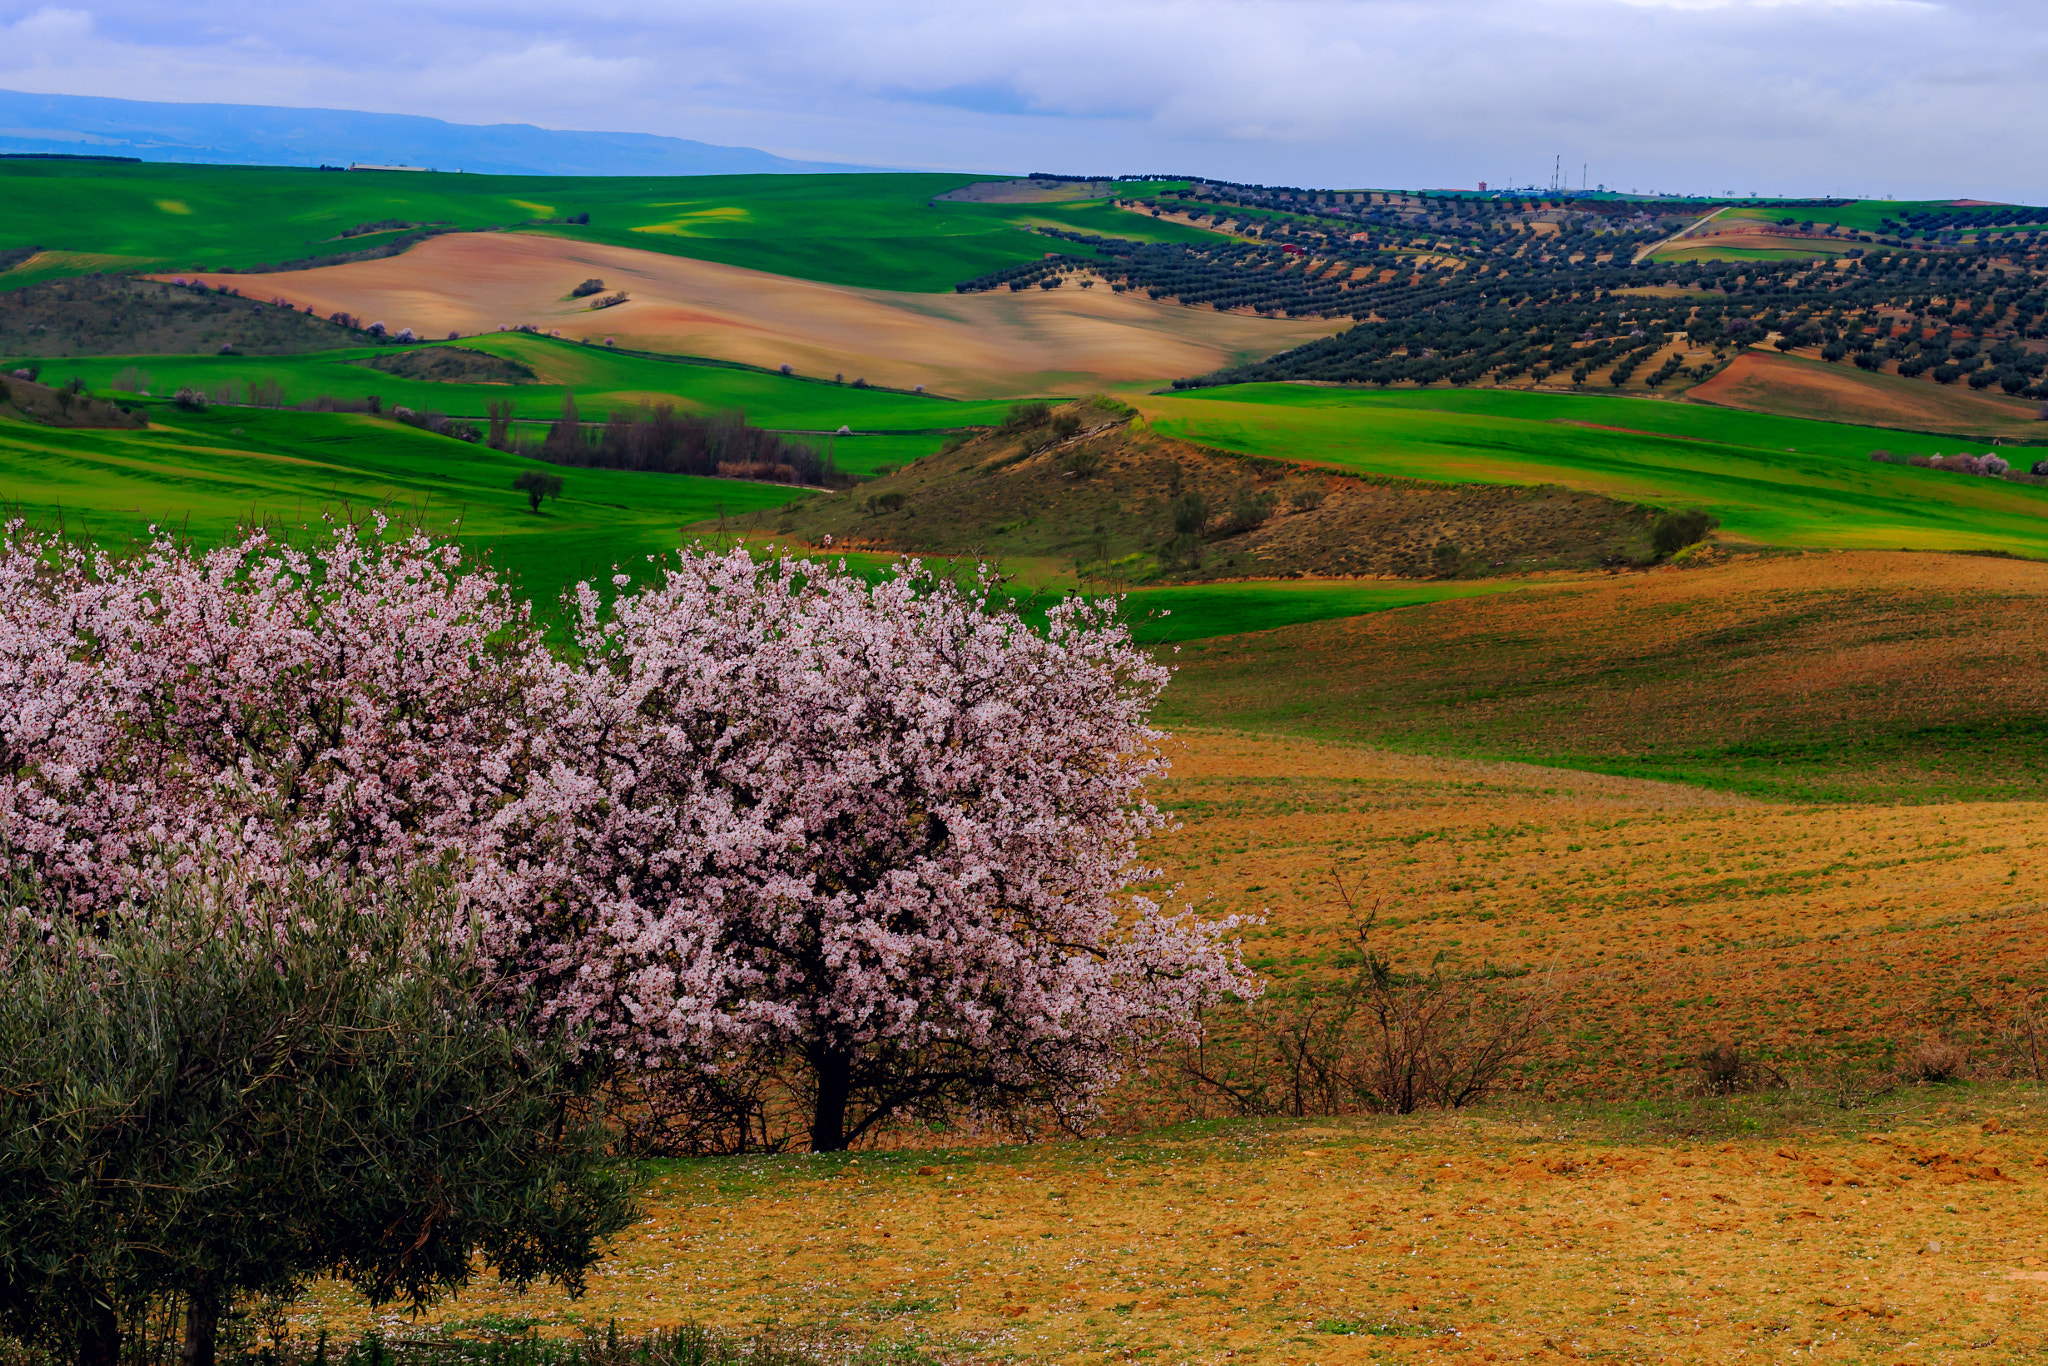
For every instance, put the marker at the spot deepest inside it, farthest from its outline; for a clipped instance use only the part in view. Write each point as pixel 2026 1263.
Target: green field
pixel 1201 611
pixel 600 379
pixel 207 474
pixel 883 230
pixel 1782 481
pixel 1865 215
pixel 1699 249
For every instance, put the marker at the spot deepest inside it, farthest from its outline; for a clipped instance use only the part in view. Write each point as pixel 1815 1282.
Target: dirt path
pixel 1654 247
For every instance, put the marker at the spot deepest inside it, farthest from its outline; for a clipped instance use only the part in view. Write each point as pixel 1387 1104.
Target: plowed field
pixel 1532 1231
pixel 1064 341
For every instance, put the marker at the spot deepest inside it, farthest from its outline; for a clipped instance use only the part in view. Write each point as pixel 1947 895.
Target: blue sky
pixel 1915 98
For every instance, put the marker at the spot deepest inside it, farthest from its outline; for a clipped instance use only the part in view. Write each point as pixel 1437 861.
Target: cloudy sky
pixel 1917 98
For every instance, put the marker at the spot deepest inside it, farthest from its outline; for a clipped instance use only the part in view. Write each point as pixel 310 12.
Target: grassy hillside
pixel 1777 480
pixel 600 379
pixel 207 474
pixel 875 230
pixel 1858 676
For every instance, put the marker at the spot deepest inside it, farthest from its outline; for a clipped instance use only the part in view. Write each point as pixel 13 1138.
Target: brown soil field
pixel 997 343
pixel 1673 918
pixel 1030 191
pixel 1831 676
pixel 1440 1239
pixel 1702 1230
pixel 1793 387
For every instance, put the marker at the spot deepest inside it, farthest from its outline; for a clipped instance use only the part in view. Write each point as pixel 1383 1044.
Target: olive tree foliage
pixel 771 838
pixel 225 1098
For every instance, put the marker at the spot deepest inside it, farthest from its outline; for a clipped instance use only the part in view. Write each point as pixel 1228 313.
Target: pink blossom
pixel 766 820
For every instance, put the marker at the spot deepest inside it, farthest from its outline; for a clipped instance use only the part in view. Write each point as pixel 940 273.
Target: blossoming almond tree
pixel 254 703
pixel 872 839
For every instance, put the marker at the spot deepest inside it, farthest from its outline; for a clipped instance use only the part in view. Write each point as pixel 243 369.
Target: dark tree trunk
pixel 835 1089
pixel 99 1338
pixel 202 1328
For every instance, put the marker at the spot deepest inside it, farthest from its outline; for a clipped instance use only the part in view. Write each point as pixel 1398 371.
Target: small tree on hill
pixel 536 485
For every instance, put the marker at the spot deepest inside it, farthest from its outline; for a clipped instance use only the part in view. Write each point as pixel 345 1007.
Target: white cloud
pixel 1804 96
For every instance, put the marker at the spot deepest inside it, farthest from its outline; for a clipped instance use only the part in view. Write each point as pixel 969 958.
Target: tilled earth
pixel 1616 1219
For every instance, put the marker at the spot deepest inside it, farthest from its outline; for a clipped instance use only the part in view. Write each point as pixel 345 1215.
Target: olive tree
pixel 204 1102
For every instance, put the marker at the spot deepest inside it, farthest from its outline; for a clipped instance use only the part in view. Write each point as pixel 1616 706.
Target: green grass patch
pixel 208 474
pixel 1776 480
pixel 1203 610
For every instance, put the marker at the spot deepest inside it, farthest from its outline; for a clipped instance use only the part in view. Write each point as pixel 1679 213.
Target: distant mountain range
pixel 269 135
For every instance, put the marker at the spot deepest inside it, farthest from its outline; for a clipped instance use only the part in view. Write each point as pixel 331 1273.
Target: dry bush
pixel 1725 1070
pixel 2024 1037
pixel 1935 1060
pixel 1383 1041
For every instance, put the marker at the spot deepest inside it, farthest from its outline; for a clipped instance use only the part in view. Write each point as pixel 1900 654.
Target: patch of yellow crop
pixel 544 210
pixel 178 206
pixel 692 223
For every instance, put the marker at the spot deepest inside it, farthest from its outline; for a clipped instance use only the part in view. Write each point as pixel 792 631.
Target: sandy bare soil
pixel 1066 341
pixel 1841 393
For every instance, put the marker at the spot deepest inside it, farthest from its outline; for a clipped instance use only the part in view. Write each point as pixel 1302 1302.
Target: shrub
pixel 1190 514
pixel 587 288
pixel 1024 417
pixel 1935 1060
pixel 1384 1040
pixel 1248 512
pixel 190 399
pixel 1725 1070
pixel 1674 531
pixel 204 1102
pixel 1083 463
